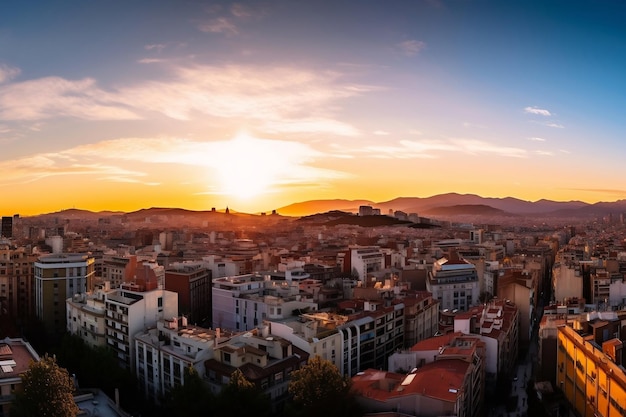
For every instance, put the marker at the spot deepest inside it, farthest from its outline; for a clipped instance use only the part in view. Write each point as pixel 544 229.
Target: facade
pixel 370 335
pixel 497 323
pixel 363 261
pixel 421 317
pixel 16 282
pixel 588 376
pixel 15 358
pixel 192 281
pixel 86 316
pixel 265 360
pixel 454 283
pixel 57 278
pixel 162 354
pixel 243 302
pixel 129 310
pixel 118 269
pixel 6 228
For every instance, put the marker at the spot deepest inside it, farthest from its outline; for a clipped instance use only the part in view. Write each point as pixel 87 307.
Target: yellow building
pixel 57 278
pixel 588 375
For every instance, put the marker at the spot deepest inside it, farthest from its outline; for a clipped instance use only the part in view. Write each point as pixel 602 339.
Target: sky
pixel 254 105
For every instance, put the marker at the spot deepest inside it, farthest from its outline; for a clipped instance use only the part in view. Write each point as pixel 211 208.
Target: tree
pixel 242 398
pixel 47 391
pixel 192 399
pixel 318 389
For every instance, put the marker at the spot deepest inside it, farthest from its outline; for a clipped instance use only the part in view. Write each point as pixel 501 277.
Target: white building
pixel 129 310
pixel 85 316
pixel 162 354
pixel 454 283
pixel 365 261
pixel 242 302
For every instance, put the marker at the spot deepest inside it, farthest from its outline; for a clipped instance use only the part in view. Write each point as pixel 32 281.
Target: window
pixel 160 302
pixel 226 357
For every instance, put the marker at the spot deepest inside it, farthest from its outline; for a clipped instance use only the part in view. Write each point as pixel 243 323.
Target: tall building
pixel 16 282
pixel 192 282
pixel 588 375
pixel 6 229
pixel 131 309
pixel 57 278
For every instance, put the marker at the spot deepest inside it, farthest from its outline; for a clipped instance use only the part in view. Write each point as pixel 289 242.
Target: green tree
pixel 318 389
pixel 191 399
pixel 47 391
pixel 242 398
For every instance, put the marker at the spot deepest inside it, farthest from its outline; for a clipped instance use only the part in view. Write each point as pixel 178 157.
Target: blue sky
pixel 130 104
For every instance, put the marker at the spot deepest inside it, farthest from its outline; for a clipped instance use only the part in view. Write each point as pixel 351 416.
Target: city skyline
pixel 257 105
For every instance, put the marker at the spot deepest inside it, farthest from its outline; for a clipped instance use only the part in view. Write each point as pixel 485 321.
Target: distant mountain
pixel 467 209
pixel 436 204
pixel 306 208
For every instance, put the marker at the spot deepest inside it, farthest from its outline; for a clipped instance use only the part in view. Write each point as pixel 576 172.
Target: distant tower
pixel 227 211
pixel 7 227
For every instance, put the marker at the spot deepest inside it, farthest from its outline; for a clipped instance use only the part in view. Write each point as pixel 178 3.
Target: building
pixel 15 358
pixel 265 360
pixel 57 278
pixel 497 324
pixel 118 269
pixel 454 282
pixel 370 334
pixel 361 261
pixel 192 281
pixel 16 283
pixel 243 302
pixel 421 316
pixel 131 309
pixel 163 352
pixel 86 315
pixel 6 228
pixel 587 374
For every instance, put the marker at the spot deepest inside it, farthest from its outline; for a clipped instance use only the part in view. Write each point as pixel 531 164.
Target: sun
pixel 246 167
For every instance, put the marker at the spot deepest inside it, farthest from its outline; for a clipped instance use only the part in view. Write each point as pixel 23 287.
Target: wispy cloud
pixel 49 97
pixel 158 47
pixel 298 100
pixel 219 25
pixel 543 153
pixel 411 47
pixel 537 111
pixel 555 125
pixel 406 149
pixel 7 73
pixel 535 139
pixel 381 133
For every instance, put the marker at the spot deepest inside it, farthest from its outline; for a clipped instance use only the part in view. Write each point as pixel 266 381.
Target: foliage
pixel 47 391
pixel 191 399
pixel 318 389
pixel 242 398
pixel 97 367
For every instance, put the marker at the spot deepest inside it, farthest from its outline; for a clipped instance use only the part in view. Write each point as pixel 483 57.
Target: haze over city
pixel 255 105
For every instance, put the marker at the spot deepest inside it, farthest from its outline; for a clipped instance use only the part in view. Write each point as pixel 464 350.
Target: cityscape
pixel 295 209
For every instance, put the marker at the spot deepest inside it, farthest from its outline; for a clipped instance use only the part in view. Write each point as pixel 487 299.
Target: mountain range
pixel 470 204
pixel 439 206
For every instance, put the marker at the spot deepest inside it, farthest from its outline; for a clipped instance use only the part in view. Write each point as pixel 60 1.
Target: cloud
pixel 535 139
pixel 49 97
pixel 150 60
pixel 381 133
pixel 280 99
pixel 544 153
pixel 411 47
pixel 155 46
pixel 219 25
pixel 537 111
pixel 555 125
pixel 407 149
pixel 7 73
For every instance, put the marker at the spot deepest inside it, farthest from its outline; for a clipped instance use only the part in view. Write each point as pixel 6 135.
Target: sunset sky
pixel 122 105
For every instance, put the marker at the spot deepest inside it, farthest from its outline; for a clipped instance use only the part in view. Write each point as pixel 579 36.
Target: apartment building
pixel 129 310
pixel 497 324
pixel 163 352
pixel 454 283
pixel 243 302
pixel 264 359
pixel 86 315
pixel 361 262
pixel 16 282
pixel 588 375
pixel 371 333
pixel 192 281
pixel 57 278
